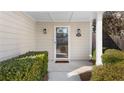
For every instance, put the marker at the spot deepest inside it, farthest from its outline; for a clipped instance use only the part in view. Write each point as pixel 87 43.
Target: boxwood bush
pixel 109 72
pixel 112 56
pixel 28 67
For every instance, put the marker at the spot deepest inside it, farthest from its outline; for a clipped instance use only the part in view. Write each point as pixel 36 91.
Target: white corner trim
pixel 99 38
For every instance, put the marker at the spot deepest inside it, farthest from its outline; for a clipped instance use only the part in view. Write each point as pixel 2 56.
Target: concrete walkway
pixel 59 71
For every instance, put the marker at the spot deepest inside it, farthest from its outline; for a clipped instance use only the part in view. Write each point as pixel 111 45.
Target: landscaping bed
pixel 112 68
pixel 31 66
pixel 86 76
pixel 109 72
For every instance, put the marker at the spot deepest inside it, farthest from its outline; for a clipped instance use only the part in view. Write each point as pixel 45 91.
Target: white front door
pixel 61 43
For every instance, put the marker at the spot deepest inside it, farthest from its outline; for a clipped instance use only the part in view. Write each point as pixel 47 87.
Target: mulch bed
pixel 46 77
pixel 86 76
pixel 92 61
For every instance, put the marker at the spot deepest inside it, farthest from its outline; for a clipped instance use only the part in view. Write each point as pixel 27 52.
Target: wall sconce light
pixel 78 33
pixel 44 31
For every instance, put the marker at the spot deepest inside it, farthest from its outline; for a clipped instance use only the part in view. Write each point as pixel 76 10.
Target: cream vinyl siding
pixel 79 46
pixel 17 34
pixel 20 34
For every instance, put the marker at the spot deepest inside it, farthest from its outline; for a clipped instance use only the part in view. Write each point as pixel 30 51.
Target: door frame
pixel 61 59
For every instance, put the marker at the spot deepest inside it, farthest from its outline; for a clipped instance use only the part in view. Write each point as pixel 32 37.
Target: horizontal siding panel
pixel 17 34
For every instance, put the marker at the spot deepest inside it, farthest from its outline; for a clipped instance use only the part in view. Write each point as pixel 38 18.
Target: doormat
pixel 62 61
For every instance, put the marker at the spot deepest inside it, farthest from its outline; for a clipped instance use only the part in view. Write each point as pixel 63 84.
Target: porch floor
pixel 59 71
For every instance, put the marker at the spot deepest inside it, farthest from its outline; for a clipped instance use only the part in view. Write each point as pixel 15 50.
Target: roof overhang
pixel 62 16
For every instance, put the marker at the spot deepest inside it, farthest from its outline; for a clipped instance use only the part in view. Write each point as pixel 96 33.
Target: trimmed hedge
pixel 28 67
pixel 109 72
pixel 112 56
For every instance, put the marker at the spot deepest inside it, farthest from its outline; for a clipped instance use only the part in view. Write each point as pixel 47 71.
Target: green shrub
pixel 94 55
pixel 30 66
pixel 104 49
pixel 112 56
pixel 109 72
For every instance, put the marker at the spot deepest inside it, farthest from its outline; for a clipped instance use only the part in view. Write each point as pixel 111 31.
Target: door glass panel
pixel 61 42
